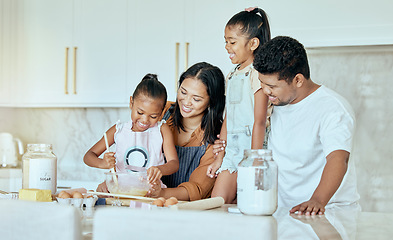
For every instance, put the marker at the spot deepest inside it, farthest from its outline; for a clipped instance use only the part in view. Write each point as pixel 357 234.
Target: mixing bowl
pixel 127 183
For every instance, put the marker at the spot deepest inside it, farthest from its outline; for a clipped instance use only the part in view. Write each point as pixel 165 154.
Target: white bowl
pixel 127 183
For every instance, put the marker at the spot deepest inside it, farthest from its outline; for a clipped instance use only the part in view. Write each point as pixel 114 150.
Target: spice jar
pixel 257 183
pixel 39 167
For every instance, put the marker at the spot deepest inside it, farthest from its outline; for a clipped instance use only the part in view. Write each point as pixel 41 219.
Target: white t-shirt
pixel 301 137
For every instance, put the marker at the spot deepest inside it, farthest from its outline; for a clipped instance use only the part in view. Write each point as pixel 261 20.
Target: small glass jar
pixel 39 167
pixel 257 183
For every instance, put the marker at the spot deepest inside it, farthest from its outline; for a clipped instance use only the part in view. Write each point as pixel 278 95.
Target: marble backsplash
pixel 363 75
pixel 71 131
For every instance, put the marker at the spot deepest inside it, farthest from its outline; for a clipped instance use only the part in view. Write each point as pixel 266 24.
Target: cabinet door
pixel 72 53
pixel 6 57
pixel 101 41
pixel 206 36
pixel 157 27
pixel 45 29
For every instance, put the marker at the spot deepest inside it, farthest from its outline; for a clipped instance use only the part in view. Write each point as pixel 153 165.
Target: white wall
pixel 364 76
pixel 331 23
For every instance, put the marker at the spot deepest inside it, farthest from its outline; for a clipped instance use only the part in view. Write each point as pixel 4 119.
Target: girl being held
pixel 244 125
pixel 140 143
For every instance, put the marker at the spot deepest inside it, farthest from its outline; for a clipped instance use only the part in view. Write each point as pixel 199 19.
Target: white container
pixel 8 154
pixel 257 183
pixel 39 167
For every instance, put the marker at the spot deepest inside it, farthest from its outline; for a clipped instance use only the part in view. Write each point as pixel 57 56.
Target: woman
pixel 195 120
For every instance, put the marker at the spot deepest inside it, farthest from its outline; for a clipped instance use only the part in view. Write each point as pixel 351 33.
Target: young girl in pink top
pixel 142 142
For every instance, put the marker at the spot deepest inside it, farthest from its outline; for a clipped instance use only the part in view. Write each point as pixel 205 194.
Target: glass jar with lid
pixel 39 167
pixel 257 183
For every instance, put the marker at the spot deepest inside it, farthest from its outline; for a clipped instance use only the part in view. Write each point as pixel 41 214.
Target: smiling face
pixel 192 98
pixel 145 112
pixel 280 93
pixel 239 47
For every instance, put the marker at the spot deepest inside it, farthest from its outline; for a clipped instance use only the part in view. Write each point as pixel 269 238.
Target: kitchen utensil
pixel 8 154
pixel 123 196
pixel 113 170
pixel 3 192
pixel 204 204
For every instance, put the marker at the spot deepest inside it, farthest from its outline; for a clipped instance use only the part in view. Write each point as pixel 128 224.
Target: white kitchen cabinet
pixel 2 55
pixel 206 31
pixel 94 53
pixel 170 36
pixel 113 44
pixel 45 29
pixel 72 53
pixel 157 27
pixel 101 38
pixel 7 51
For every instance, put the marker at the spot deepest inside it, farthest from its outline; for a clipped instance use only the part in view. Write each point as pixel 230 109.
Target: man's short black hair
pixel 282 55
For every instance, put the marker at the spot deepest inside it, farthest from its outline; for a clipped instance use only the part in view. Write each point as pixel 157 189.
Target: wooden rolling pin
pixel 204 204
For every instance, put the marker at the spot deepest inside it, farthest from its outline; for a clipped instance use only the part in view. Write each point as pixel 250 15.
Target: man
pixel 311 131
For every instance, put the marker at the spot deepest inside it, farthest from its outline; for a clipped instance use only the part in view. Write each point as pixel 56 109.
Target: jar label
pixel 42 174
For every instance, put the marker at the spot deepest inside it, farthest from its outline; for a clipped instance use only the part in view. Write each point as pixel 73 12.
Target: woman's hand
pixel 108 161
pixel 154 174
pixel 212 168
pixel 218 146
pixel 155 190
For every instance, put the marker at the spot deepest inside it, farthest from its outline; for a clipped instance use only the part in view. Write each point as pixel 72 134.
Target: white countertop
pixel 103 221
pixel 337 223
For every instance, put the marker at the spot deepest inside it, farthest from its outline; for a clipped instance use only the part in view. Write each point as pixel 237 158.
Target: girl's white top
pixel 138 149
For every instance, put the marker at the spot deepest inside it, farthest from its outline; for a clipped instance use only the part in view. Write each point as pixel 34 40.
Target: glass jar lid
pixel 39 147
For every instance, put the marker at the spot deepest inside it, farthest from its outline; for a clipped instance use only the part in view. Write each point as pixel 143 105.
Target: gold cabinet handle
pixel 176 65
pixel 66 71
pixel 186 56
pixel 74 80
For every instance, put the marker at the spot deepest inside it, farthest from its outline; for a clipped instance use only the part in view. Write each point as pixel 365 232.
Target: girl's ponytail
pixel 253 23
pixel 264 29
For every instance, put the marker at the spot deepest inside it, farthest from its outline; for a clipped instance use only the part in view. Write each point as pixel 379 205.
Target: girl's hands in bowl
pixel 102 188
pixel 155 190
pixel 154 174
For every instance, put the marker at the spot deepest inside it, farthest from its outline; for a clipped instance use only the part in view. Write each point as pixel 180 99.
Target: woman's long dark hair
pixel 213 78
